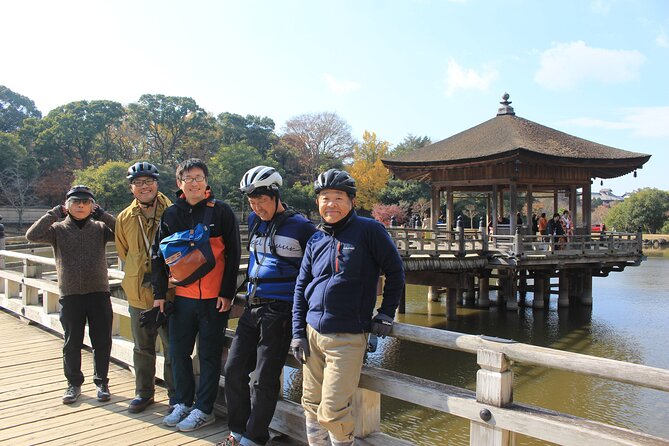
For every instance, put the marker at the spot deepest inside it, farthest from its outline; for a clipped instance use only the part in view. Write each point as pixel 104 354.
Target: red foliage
pixel 383 212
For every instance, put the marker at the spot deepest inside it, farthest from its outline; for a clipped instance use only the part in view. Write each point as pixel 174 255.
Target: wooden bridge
pixel 29 396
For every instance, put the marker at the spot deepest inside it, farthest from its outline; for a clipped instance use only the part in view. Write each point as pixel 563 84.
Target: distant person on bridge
pixel 334 298
pixel 136 228
pixel 277 238
pixel 542 224
pixel 202 306
pixel 556 231
pixel 78 232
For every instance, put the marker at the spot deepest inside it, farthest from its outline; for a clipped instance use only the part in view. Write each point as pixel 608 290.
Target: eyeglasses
pixel 197 179
pixel 145 182
pixel 83 201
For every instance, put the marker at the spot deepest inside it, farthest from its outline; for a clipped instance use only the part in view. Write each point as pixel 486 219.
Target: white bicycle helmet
pixel 260 179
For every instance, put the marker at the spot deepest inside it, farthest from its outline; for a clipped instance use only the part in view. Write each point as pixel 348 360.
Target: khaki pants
pixel 330 378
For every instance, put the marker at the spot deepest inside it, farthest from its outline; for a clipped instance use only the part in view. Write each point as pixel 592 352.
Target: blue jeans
pixel 193 317
pixel 261 343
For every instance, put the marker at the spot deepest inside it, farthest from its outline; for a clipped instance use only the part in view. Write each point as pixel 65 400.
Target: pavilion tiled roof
pixel 507 133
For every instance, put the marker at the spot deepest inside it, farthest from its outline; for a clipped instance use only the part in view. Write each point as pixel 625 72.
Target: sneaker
pixel 71 394
pixel 179 412
pixel 139 404
pixel 195 420
pixel 230 441
pixel 103 392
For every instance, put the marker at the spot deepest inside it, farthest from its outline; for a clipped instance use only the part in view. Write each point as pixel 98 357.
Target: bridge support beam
pixel 469 294
pixel 433 294
pixel 452 304
pixel 484 292
pixel 586 295
pixel 563 299
pixel 510 292
pixel 539 290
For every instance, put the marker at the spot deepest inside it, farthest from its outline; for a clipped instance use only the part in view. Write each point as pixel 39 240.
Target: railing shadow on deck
pixel 494 417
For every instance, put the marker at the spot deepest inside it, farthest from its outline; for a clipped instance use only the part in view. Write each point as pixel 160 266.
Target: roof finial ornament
pixel 506 108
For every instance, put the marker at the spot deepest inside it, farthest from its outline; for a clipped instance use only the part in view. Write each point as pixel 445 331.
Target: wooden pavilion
pixel 512 155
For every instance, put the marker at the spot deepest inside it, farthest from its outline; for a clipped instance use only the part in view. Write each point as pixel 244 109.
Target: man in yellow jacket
pixel 136 227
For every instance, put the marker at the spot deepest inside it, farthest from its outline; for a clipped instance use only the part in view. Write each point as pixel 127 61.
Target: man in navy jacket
pixel 334 299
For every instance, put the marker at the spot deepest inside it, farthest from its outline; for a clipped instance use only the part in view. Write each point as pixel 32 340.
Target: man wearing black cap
pixel 78 232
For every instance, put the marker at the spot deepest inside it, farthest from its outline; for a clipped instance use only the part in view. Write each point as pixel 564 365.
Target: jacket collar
pixel 161 203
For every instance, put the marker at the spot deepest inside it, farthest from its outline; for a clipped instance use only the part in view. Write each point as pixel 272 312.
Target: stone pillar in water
pixel 539 290
pixel 484 292
pixel 563 299
pixel 586 295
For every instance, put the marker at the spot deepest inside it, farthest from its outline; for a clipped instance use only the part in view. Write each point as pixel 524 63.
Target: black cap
pixel 81 192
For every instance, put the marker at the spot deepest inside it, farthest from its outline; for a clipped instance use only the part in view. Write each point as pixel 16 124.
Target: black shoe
pixel 139 404
pixel 103 392
pixel 71 394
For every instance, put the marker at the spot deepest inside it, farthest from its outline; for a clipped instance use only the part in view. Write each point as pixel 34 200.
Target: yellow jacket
pixel 132 250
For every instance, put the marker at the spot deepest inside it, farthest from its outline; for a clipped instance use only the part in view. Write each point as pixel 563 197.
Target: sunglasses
pixel 83 201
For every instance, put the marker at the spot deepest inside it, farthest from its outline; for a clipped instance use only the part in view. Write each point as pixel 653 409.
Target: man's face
pixel 193 183
pixel 79 208
pixel 264 206
pixel 144 189
pixel 333 205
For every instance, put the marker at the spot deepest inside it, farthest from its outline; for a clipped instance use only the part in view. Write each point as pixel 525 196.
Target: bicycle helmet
pixel 335 179
pixel 261 180
pixel 80 192
pixel 142 169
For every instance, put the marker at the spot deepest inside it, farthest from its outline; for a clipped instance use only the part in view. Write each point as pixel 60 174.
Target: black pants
pixel 261 343
pixel 76 310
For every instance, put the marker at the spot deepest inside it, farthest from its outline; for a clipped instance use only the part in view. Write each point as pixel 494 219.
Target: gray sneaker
pixel 180 412
pixel 195 420
pixel 71 394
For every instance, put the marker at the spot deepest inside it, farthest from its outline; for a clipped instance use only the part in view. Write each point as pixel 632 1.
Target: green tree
pixel 226 169
pixel 14 108
pixel 301 197
pixel 646 209
pixel 72 132
pixel 165 122
pixel 109 184
pixel 409 144
pixel 250 130
pixel 408 191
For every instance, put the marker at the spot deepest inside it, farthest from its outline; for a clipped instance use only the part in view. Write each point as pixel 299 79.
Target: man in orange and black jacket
pixel 202 307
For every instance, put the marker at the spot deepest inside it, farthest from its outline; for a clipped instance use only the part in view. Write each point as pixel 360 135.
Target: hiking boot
pixel 179 412
pixel 139 404
pixel 103 392
pixel 71 394
pixel 195 420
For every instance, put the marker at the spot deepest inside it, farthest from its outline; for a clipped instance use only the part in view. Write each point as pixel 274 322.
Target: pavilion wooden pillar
pixel 435 210
pixel 573 199
pixel 586 199
pixel 500 202
pixel 450 210
pixel 513 206
pixel 528 205
pixel 495 208
pixel 555 201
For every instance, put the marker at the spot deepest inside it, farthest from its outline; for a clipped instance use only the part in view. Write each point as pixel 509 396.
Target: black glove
pixel 381 325
pixel 154 318
pixel 97 212
pixel 299 347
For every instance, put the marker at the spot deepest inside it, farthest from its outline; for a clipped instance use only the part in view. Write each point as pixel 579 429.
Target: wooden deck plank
pixel 32 413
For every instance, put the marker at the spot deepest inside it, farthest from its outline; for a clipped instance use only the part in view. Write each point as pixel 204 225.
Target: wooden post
pixel 517 243
pixel 510 292
pixel 495 209
pixel 513 207
pixel 452 304
pixel 522 286
pixel 435 207
pixel 30 269
pixel 528 206
pixel 461 239
pixel 433 294
pixel 367 412
pixel 586 207
pixel 468 294
pixel 2 260
pixel 539 283
pixel 50 302
pixel 586 295
pixel 494 386
pixel 484 236
pixel 484 292
pixel 563 299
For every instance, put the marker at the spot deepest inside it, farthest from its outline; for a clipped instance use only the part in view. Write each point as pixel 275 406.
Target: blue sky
pixel 595 69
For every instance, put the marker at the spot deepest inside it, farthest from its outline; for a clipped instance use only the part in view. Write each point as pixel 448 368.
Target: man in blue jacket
pixel 335 296
pixel 277 238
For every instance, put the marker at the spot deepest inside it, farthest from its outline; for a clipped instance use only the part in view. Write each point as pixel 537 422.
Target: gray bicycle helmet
pixel 142 169
pixel 335 179
pixel 260 180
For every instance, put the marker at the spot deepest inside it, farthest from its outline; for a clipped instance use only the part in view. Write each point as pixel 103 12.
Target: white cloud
pixel 645 122
pixel 566 65
pixel 339 86
pixel 459 78
pixel 600 6
pixel 662 39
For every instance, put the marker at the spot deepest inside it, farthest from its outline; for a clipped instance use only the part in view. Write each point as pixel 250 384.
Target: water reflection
pixel 626 322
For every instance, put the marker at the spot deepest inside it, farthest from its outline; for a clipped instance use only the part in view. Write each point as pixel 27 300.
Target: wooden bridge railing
pixel 492 413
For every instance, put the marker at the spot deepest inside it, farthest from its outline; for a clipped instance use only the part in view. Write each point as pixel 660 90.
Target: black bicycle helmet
pixel 142 169
pixel 335 179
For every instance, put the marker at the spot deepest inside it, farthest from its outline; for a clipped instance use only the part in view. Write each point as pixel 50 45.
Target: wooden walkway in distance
pixel 31 411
